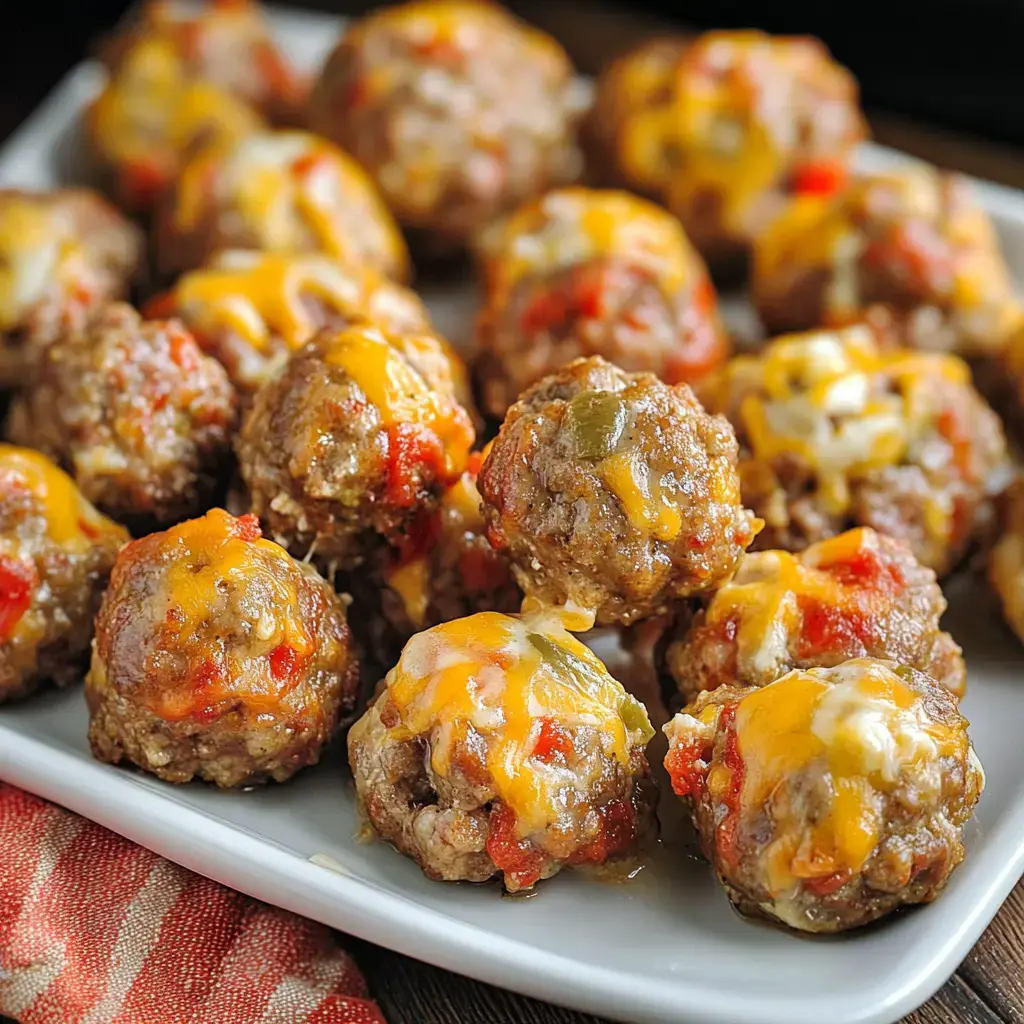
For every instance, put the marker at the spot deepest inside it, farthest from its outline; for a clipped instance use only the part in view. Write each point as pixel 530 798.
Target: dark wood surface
pixel 988 988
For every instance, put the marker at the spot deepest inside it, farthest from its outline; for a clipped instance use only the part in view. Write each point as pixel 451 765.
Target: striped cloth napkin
pixel 97 930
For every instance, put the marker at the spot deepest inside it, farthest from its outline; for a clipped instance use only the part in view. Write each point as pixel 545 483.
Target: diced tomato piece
pixel 617 834
pixel 829 628
pixel 142 182
pixel 868 568
pixel 827 884
pixel 728 827
pixel 518 859
pixel 474 463
pixel 824 178
pixel 247 527
pixel 18 583
pixel 954 427
pixel 686 767
pixel 552 741
pixel 284 663
pixel 411 448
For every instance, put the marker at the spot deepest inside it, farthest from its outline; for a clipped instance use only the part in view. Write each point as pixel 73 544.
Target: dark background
pixel 951 63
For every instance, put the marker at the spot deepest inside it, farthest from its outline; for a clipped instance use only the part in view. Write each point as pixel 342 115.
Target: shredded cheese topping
pixel 860 723
pixel 501 676
pixel 836 402
pixel 573 226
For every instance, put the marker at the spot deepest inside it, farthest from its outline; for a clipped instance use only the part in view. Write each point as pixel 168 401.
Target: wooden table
pixel 989 986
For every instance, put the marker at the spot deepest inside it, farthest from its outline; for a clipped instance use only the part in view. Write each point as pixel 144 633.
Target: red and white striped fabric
pixel 97 930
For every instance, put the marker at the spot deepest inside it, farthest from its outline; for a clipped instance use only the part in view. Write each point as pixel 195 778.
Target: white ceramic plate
pixel 665 947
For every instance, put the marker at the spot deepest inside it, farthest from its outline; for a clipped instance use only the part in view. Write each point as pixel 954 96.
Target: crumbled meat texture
pixel 568 534
pixel 140 668
pixel 445 823
pixel 456 133
pixel 898 622
pixel 136 413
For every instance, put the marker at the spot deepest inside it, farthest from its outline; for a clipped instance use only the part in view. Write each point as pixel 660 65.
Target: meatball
pixel 56 553
pixel 723 128
pixel 1006 560
pixel 829 797
pixel 135 412
pixel 446 568
pixel 835 432
pixel 910 251
pixel 228 44
pixel 583 272
pixel 281 191
pixel 217 656
pixel 353 442
pixel 501 745
pixel 858 594
pixel 615 493
pixel 63 254
pixel 251 309
pixel 458 110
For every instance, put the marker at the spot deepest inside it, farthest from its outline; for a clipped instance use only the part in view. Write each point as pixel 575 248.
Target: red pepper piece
pixel 18 582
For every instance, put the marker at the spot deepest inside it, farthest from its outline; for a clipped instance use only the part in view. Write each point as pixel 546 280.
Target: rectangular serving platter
pixel 662 948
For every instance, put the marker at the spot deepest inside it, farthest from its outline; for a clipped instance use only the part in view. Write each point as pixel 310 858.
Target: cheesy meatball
pixel 353 442
pixel 909 251
pixel 136 412
pixel 218 657
pixel 835 432
pixel 62 255
pixel 252 309
pixel 615 493
pixel 56 553
pixel 584 272
pixel 276 191
pixel 445 567
pixel 458 110
pixel 227 43
pixel 829 797
pixel 722 129
pixel 855 595
pixel 502 746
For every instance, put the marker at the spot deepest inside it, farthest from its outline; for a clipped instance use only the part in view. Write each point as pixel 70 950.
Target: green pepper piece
pixel 634 717
pixel 597 420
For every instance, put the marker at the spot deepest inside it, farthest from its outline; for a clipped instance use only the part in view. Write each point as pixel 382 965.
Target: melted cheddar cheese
pixel 836 402
pixel 71 521
pixel 573 226
pixel 264 300
pixel 863 727
pixel 502 676
pixel 381 366
pixel 39 249
pixel 924 226
pixel 764 600
pixel 211 563
pixel 293 192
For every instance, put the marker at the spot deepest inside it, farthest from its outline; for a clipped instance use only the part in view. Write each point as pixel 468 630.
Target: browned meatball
pixel 135 411
pixel 829 797
pixel 1006 559
pixel 217 656
pixel 614 492
pixel 836 432
pixel 458 110
pixel 502 745
pixel 64 253
pixel 353 442
pixel 228 44
pixel 446 567
pixel 855 595
pixel 56 552
pixel 585 272
pixel 276 191
pixel 910 251
pixel 252 309
pixel 723 129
